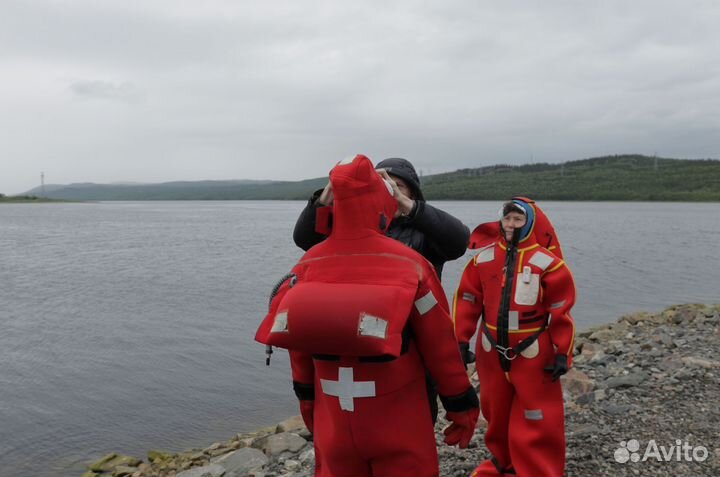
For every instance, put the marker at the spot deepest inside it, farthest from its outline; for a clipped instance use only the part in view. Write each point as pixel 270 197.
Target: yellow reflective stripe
pixel 530 247
pixel 520 262
pixel 572 338
pixel 556 267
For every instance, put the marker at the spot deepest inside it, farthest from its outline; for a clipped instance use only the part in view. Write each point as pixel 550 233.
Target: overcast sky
pixel 151 91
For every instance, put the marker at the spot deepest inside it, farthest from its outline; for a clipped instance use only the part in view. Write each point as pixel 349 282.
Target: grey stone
pixel 590 349
pixel 626 381
pixel 307 457
pixel 664 339
pixel 700 362
pixel 636 318
pixel 305 434
pixel 279 443
pixel 242 460
pixel 586 430
pixel 291 424
pixel 602 335
pixel 212 470
pixel 586 398
pixel 577 383
pixel 616 409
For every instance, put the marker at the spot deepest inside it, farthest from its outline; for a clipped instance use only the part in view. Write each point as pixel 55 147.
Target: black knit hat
pixel 402 168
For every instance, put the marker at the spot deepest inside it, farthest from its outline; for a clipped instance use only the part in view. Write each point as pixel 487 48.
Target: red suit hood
pixel 363 203
pixel 543 231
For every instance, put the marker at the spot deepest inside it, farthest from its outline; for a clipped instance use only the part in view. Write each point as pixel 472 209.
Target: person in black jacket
pixel 436 235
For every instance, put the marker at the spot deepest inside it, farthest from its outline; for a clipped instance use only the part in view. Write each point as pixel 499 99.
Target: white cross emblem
pixel 346 389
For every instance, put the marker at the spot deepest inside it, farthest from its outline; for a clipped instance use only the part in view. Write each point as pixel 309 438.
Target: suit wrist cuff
pixel 304 392
pixel 461 402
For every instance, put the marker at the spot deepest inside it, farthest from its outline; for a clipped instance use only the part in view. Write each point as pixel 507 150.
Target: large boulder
pixel 242 460
pixel 292 424
pixel 626 381
pixel 212 470
pixel 279 443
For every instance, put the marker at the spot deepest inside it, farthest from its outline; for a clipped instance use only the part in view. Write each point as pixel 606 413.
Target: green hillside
pixel 629 177
pixel 626 177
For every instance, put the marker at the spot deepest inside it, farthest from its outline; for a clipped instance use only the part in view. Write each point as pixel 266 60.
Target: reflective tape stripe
pixel 485 255
pixel 346 389
pixel 372 326
pixel 468 297
pixel 541 260
pixel 280 324
pixel 524 330
pixel 425 303
pixel 557 305
pixel 534 414
pixel 513 320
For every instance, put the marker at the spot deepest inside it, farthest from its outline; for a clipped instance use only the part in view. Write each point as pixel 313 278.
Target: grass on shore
pixel 26 199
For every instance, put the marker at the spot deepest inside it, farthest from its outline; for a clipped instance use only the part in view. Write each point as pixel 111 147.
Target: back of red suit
pixel 363 317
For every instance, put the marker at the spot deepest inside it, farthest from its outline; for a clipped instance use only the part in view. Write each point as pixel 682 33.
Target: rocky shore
pixel 643 399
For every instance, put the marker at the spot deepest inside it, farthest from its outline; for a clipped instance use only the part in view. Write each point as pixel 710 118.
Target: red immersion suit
pixel 520 400
pixel 363 319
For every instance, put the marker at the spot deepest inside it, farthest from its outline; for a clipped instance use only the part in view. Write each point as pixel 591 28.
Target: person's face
pixel 403 187
pixel 512 221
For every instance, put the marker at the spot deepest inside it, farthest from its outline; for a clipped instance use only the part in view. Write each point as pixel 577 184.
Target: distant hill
pixel 191 190
pixel 624 177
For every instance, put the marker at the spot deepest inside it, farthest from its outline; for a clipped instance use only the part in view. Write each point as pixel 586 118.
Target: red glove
pixel 462 428
pixel 307 408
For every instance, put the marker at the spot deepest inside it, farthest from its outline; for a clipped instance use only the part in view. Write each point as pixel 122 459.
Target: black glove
pixel 559 368
pixel 467 355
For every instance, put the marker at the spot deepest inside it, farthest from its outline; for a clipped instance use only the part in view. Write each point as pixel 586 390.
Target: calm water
pixel 128 326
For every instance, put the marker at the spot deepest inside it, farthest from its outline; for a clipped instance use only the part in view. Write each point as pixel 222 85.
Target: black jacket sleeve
pixel 304 234
pixel 446 237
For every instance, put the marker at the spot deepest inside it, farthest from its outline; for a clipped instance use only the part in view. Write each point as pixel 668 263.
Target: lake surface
pixel 127 326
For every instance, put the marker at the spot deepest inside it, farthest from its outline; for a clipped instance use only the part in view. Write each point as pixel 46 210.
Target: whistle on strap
pixel 526 274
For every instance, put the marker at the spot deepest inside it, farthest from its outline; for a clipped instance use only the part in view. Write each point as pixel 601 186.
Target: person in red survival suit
pixel 363 316
pixel 522 294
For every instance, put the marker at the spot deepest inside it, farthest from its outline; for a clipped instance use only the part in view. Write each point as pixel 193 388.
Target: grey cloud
pixel 97 89
pixel 284 88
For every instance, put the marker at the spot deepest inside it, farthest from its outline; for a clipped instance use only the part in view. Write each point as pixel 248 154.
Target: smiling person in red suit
pixel 522 293
pixel 363 317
